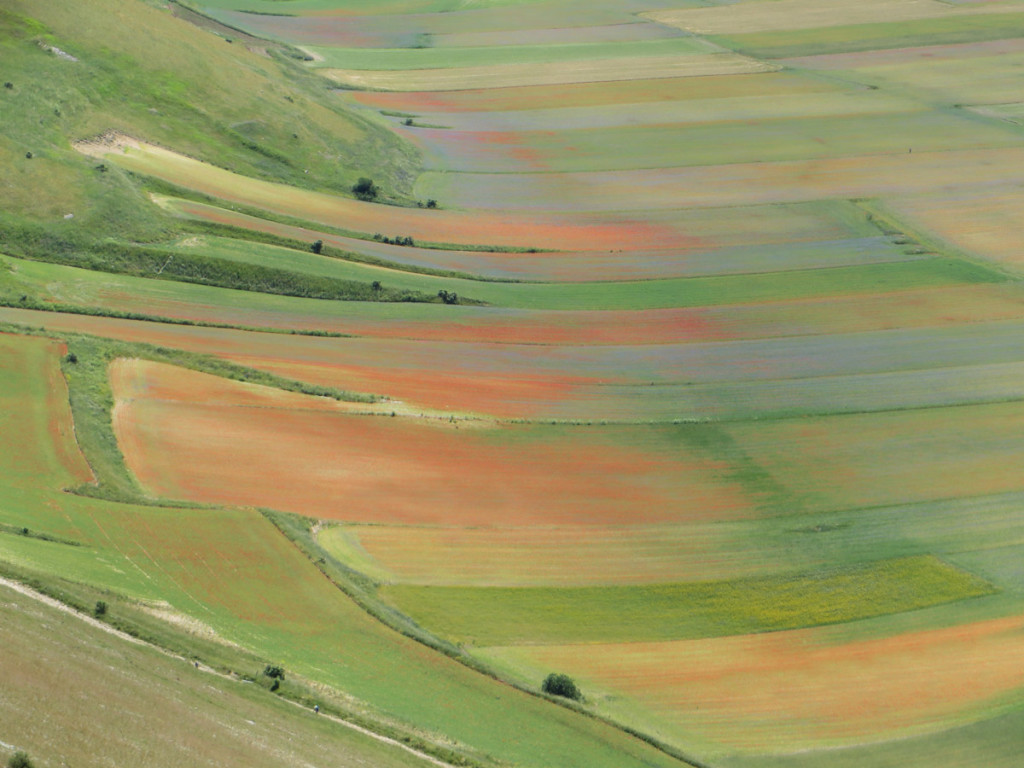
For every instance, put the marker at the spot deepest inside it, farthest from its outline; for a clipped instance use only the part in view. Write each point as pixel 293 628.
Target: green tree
pixel 365 189
pixel 561 685
pixel 19 759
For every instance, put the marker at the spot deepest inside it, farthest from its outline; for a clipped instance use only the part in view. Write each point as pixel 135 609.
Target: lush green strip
pixel 870 37
pixel 40 535
pixel 504 616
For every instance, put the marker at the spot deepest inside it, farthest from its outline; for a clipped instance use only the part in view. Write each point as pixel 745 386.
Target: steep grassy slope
pixel 77 70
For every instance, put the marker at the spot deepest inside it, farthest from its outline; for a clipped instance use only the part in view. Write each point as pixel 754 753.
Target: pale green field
pixel 509 616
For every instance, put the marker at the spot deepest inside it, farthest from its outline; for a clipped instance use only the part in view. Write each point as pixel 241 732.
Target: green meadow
pixel 505 616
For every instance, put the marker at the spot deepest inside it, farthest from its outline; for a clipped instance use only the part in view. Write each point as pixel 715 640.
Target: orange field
pixel 785 689
pixel 408 470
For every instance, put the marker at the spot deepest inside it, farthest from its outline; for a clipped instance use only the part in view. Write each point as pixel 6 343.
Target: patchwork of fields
pixel 685 356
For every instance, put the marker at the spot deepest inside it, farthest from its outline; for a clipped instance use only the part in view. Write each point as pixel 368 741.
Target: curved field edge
pixel 86 367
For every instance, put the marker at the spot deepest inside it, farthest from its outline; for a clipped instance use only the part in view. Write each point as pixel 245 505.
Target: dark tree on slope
pixel 561 685
pixel 365 189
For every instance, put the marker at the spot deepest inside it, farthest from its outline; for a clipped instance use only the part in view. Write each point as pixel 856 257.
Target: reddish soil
pixel 502 395
pixel 758 691
pixel 399 470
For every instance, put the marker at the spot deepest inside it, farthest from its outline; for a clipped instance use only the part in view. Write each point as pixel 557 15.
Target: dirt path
pixel 58 605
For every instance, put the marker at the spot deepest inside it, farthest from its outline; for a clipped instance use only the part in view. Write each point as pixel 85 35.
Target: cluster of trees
pixel 396 240
pixel 276 675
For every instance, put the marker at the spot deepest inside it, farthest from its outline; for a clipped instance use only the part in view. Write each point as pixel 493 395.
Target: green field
pixel 502 616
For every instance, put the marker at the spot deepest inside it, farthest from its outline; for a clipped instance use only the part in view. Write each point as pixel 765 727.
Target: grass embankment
pixel 265 117
pixel 197 266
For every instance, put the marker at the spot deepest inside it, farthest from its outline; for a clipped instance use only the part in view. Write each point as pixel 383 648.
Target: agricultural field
pixel 420 349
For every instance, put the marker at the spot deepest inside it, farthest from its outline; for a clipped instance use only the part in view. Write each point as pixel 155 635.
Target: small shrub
pixel 8 85
pixel 28 155
pixel 376 285
pixel 365 189
pixel 100 610
pixel 317 246
pixel 72 358
pixel 408 121
pixel 274 671
pixel 561 685
pixel 431 203
pixel 19 759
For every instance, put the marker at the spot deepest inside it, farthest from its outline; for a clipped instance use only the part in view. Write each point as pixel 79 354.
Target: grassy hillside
pixel 79 70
